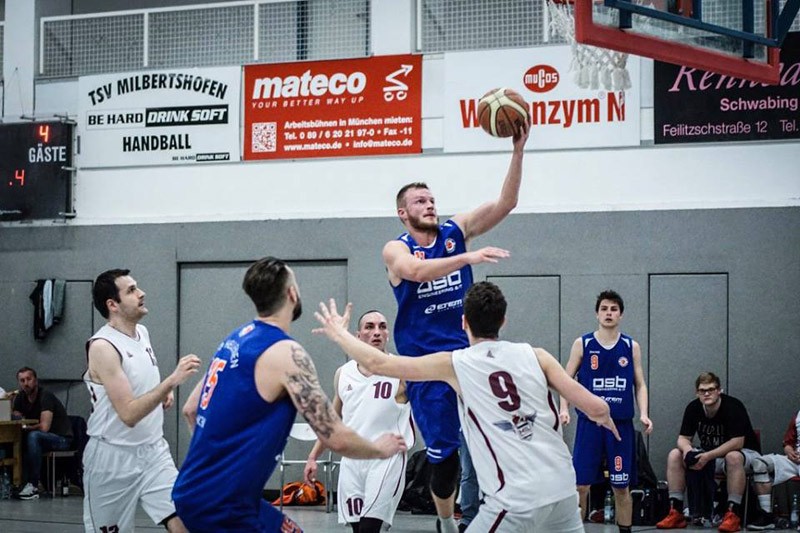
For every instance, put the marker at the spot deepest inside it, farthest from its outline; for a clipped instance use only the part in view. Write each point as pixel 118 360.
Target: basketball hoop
pixel 591 66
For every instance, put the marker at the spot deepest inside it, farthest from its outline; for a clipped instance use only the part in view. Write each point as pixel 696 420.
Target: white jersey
pixel 511 426
pixel 369 406
pixel 140 366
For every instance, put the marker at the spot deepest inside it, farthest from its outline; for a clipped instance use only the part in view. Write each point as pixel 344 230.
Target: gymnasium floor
pixel 59 515
pixel 63 515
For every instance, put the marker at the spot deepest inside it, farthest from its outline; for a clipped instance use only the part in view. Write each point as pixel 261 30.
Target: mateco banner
pixel 159 117
pixel 562 114
pixel 346 107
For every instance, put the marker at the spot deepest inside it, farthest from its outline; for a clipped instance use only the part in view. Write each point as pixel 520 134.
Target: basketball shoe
pixel 730 522
pixel 673 520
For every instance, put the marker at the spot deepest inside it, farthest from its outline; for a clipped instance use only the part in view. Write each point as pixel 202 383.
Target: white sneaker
pixel 29 492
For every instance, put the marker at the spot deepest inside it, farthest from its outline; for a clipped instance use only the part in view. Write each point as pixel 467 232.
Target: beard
pixel 298 310
pixel 419 223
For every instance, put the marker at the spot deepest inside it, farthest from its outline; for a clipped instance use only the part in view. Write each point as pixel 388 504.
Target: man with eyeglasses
pixel 726 437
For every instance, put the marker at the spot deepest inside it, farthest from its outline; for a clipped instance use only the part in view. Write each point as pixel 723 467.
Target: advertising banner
pixel 159 117
pixel 693 106
pixel 352 107
pixel 562 114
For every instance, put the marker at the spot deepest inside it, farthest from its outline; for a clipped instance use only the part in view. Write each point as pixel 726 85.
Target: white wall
pixel 642 178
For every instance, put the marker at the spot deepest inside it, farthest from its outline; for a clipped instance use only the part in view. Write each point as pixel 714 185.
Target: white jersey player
pixel 369 490
pixel 127 460
pixel 510 421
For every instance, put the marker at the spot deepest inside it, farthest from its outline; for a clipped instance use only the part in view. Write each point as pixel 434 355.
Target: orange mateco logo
pixel 618 463
pixel 217 366
pixel 595 362
pixel 541 78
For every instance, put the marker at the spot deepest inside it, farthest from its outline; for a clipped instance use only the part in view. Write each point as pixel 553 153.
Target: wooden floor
pixel 64 515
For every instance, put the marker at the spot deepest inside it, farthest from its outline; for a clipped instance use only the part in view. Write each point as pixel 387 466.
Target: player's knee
pixel 444 477
pixel 734 459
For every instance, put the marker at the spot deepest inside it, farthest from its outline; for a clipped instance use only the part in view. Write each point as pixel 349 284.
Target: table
pixel 11 433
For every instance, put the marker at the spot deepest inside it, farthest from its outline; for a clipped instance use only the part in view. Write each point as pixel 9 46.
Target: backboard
pixel 740 38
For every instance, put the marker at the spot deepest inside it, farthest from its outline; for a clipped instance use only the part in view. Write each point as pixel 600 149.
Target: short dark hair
pixel 400 200
pixel 264 282
pixel 485 309
pixel 105 287
pixel 365 313
pixel 614 296
pixel 27 369
pixel 707 377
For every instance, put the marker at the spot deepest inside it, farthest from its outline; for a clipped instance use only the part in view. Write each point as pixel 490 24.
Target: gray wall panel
pixel 533 310
pixel 758 248
pixel 688 335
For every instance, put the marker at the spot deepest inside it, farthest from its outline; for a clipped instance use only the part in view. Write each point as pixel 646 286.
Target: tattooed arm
pixel 286 368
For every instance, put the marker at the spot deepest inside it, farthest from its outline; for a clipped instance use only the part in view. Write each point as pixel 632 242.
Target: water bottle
pixel 794 515
pixel 65 486
pixel 608 508
pixel 5 486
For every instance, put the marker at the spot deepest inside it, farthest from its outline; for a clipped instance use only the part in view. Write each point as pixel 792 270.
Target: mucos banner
pixel 182 116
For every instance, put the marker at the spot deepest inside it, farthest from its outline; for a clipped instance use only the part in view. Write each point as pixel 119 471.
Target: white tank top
pixel 140 366
pixel 510 423
pixel 369 406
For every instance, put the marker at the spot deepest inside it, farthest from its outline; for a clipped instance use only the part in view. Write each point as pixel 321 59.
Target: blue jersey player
pixel 243 410
pixel 430 270
pixel 609 364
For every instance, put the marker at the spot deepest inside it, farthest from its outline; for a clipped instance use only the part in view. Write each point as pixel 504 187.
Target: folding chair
pixel 302 432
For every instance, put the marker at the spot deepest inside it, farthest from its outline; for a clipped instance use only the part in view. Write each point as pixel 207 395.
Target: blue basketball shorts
pixel 594 443
pixel 435 410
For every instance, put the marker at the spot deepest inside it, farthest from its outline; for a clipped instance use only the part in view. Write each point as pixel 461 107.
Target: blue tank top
pixel 429 313
pixel 609 374
pixel 238 436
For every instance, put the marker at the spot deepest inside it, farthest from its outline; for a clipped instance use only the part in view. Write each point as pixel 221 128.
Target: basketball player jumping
pixel 127 459
pixel 507 413
pixel 369 490
pixel 609 364
pixel 244 410
pixel 430 271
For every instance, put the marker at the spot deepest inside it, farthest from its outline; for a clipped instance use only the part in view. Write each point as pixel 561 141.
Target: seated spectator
pixel 53 430
pixel 781 467
pixel 726 437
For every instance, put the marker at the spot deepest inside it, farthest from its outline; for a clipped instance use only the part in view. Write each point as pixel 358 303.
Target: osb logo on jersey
pixel 247 329
pixel 618 463
pixel 623 361
pixel 449 245
pixel 541 78
pixel 594 362
pixel 419 254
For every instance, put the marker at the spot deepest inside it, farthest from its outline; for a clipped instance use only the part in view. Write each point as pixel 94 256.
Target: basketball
pixel 501 112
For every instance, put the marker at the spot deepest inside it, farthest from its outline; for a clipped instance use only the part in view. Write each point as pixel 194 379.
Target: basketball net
pixel 591 66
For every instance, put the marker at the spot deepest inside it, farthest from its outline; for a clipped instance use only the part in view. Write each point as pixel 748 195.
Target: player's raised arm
pixel 433 367
pixel 596 408
pixel 490 214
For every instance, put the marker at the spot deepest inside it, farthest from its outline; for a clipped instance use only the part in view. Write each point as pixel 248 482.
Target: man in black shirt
pixel 726 437
pixel 52 432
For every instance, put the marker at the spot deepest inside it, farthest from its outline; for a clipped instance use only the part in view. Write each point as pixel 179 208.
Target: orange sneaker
pixel 674 520
pixel 730 522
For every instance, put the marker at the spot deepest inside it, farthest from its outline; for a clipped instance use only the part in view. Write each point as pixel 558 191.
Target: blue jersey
pixel 609 374
pixel 429 313
pixel 237 439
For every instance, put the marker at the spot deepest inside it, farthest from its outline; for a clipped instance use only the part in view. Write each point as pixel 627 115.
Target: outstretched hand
pixel 607 423
pixel 487 254
pixel 333 324
pixel 390 444
pixel 521 135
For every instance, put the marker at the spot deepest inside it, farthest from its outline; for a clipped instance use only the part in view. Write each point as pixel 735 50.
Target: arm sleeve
pixel 737 421
pixel 48 402
pixel 689 422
